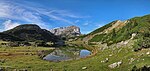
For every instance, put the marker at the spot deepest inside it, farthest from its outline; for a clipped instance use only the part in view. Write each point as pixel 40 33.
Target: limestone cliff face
pixel 116 25
pixel 70 31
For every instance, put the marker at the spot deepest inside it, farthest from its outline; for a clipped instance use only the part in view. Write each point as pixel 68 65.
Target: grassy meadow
pixel 26 58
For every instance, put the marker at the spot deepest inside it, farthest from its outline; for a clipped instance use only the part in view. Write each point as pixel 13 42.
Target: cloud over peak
pixel 9 24
pixel 14 11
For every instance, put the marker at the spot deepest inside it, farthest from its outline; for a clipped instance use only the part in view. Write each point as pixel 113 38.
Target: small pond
pixel 67 53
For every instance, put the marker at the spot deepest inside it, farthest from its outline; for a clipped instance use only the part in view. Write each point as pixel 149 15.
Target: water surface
pixel 68 53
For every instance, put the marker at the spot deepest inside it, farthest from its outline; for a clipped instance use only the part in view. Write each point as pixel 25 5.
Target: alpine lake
pixel 67 53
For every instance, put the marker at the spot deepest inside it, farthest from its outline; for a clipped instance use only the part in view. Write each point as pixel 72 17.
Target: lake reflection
pixel 69 53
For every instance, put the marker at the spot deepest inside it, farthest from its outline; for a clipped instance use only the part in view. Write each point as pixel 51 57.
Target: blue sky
pixel 87 14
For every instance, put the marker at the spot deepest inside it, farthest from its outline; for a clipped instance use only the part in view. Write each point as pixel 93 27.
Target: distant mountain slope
pixel 31 32
pixel 118 31
pixel 7 37
pixel 105 29
pixel 70 31
pixel 109 27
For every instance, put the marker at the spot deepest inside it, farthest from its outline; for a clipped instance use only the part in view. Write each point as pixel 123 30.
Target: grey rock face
pixel 70 31
pixel 114 65
pixel 1 69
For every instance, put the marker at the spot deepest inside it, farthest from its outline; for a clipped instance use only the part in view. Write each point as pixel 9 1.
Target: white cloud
pixel 59 19
pixel 77 21
pixel 14 12
pixel 98 25
pixel 87 23
pixel 69 14
pixel 53 14
pixel 9 24
pixel 28 14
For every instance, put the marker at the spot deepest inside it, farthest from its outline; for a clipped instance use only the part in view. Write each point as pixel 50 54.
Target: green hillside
pixel 138 25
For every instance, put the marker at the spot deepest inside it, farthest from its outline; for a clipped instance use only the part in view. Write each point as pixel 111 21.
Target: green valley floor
pixel 26 58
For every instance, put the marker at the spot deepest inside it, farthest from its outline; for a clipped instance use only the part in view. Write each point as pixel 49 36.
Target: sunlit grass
pixel 34 63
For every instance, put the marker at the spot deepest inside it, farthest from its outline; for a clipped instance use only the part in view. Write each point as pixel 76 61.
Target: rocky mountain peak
pixel 69 31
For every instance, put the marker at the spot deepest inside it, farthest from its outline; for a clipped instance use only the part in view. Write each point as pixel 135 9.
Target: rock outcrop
pixel 70 31
pixel 117 25
pixel 114 65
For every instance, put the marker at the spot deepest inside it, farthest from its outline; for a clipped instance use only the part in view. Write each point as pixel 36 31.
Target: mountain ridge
pixel 69 31
pixel 113 33
pixel 31 32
